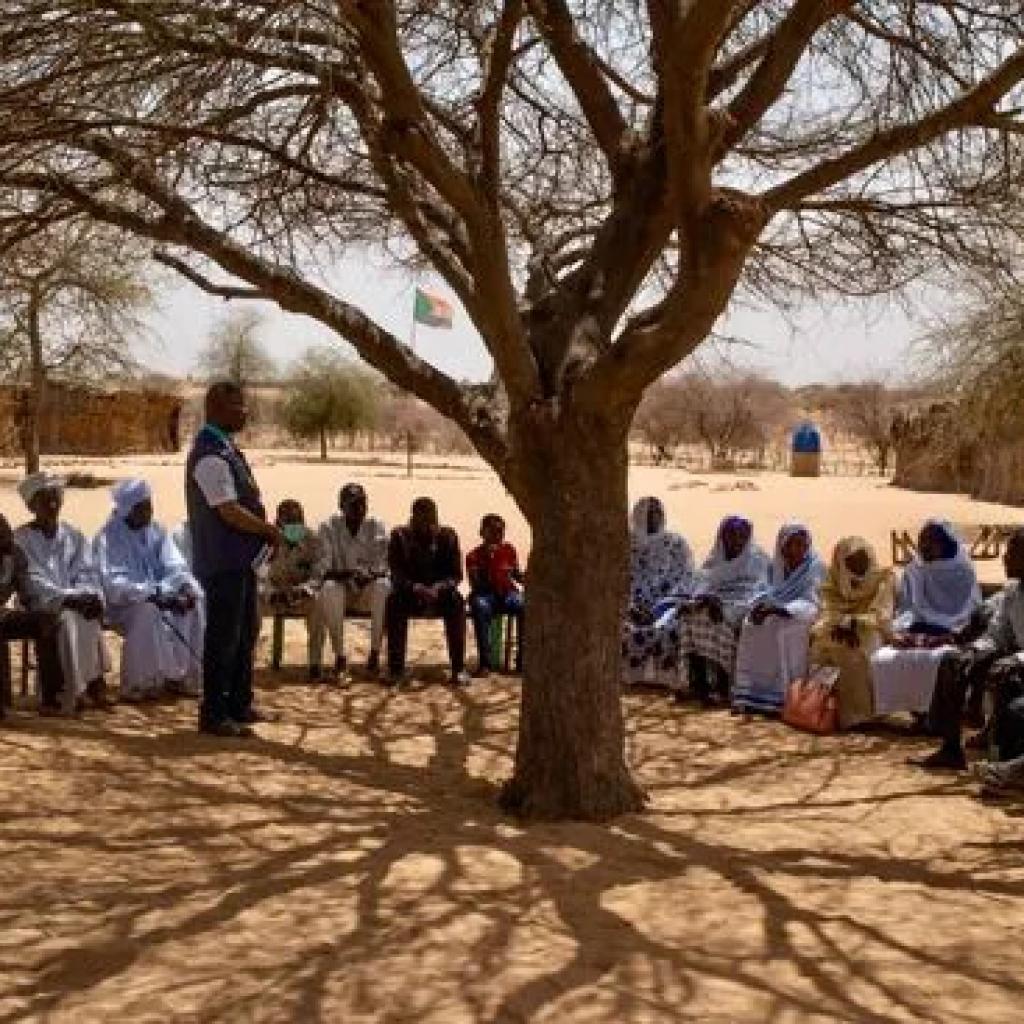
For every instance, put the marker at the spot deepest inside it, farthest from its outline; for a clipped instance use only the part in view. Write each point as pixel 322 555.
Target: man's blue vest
pixel 216 547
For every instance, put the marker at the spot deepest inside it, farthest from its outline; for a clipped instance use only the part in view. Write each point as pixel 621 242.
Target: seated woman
pixel 856 619
pixel 938 596
pixel 661 563
pixel 776 634
pixel 705 625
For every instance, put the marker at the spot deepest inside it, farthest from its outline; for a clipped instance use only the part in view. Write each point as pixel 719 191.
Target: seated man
pixel 63 580
pixel 291 582
pixel 426 570
pixel 995 660
pixel 493 571
pixel 39 626
pixel 1004 774
pixel 152 599
pixel 356 551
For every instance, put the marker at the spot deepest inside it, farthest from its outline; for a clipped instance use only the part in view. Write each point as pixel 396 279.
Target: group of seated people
pixel 134 578
pixel 352 563
pixel 743 627
pixel 131 577
pixel 737 631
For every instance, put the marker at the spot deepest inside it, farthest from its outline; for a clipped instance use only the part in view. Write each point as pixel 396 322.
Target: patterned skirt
pixel 715 641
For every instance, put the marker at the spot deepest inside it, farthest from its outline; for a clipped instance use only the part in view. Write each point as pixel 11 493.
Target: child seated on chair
pixel 291 577
pixel 494 578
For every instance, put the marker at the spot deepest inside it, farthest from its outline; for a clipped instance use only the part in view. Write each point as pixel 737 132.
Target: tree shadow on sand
pixel 351 865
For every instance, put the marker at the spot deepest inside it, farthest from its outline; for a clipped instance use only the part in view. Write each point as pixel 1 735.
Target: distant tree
pixel 327 395
pixel 663 421
pixel 235 352
pixel 72 299
pixel 733 413
pixel 867 412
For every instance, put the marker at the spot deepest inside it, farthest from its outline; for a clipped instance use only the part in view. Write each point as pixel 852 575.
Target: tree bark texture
pixel 570 760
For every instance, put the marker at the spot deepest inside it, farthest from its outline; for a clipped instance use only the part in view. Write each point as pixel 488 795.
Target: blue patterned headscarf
pixel 740 580
pixel 803 582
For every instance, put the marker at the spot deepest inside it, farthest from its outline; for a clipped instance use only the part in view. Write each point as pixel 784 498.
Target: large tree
pixel 72 301
pixel 592 178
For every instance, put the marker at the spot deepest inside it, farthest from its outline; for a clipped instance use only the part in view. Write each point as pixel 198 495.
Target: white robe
pixel 57 568
pixel 904 680
pixel 159 646
pixel 770 656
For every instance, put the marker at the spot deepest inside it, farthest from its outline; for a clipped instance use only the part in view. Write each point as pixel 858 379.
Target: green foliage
pixel 328 395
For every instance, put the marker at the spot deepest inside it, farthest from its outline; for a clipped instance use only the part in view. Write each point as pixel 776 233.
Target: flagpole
pixel 412 333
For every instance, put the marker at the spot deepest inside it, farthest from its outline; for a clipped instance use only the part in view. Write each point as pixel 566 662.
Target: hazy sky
pixel 819 344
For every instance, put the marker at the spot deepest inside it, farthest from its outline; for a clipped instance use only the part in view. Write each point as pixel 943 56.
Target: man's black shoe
pixel 225 729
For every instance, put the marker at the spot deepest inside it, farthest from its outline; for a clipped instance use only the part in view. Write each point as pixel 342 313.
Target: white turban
pixel 128 494
pixel 36 482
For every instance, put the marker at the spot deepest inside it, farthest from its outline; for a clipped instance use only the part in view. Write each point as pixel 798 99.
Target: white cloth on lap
pixel 904 680
pixel 770 656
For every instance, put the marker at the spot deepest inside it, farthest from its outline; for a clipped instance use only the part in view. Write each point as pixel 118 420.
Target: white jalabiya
pixel 365 551
pixel 160 647
pixel 58 567
pixel 771 655
pixel 943 593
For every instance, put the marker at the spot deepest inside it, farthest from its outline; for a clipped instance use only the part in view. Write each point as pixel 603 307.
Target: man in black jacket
pixel 426 570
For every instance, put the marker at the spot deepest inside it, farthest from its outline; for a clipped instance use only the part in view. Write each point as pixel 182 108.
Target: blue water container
pixel 806 452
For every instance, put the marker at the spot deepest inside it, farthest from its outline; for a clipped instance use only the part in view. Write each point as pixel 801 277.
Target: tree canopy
pixel 328 395
pixel 234 351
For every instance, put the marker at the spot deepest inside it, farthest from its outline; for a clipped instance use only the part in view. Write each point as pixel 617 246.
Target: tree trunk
pixel 570 756
pixel 37 387
pixel 323 445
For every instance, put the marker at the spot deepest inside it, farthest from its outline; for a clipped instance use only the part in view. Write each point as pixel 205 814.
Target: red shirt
pixel 494 566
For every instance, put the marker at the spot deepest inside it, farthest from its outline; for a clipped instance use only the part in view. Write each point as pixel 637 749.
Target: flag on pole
pixel 431 310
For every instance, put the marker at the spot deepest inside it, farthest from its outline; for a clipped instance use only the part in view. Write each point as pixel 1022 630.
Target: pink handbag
pixel 812 705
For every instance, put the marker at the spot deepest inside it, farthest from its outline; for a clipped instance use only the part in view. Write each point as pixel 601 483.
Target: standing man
pixel 355 547
pixel 426 570
pixel 16 624
pixel 230 538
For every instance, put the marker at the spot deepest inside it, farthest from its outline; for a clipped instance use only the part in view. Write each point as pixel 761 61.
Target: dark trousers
pixel 403 605
pixel 960 684
pixel 706 677
pixel 483 608
pixel 40 627
pixel 231 631
pixel 1008 717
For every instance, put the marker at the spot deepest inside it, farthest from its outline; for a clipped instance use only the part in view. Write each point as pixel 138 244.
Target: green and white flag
pixel 431 310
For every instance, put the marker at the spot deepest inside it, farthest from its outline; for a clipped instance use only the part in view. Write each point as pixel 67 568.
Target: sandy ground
pixel 349 864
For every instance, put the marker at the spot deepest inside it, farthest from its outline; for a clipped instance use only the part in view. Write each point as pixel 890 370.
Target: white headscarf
pixel 36 482
pixel 738 581
pixel 661 562
pixel 943 592
pixel 803 583
pixel 128 494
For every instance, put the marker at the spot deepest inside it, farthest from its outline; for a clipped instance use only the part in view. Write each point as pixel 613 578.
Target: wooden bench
pixel 985 541
pixel 507 624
